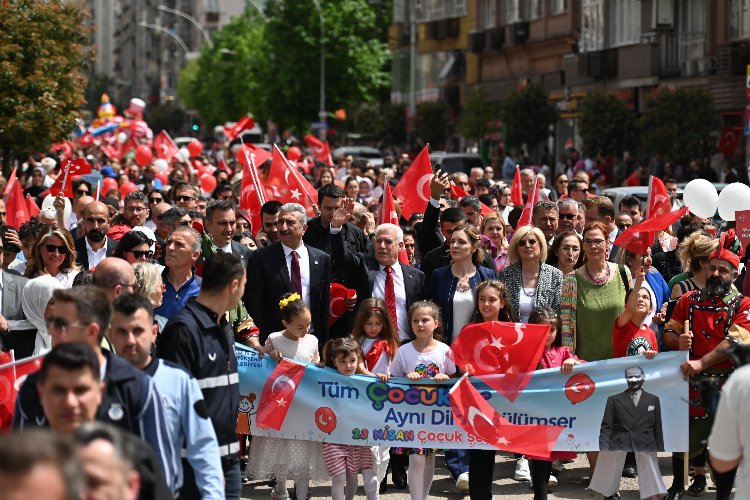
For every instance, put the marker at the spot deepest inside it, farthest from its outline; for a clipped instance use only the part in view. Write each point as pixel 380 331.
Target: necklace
pixel 529 295
pixel 596 279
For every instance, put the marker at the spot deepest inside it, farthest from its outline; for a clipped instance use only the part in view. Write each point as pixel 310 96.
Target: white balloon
pixel 122 137
pixel 184 154
pixel 735 196
pixel 701 198
pixel 161 165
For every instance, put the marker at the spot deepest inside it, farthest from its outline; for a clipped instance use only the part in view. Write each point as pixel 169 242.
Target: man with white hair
pixel 289 266
pixel 381 276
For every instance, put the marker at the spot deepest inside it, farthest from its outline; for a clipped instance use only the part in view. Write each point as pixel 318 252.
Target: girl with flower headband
pixel 377 337
pixel 289 458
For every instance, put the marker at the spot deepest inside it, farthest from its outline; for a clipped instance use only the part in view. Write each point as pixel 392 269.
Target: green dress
pixel 597 308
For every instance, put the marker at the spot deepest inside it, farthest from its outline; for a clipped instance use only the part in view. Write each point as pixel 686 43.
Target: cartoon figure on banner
pixel 325 419
pixel 579 388
pixel 246 408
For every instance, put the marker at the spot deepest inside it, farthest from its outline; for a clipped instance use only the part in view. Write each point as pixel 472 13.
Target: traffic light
pixel 196 127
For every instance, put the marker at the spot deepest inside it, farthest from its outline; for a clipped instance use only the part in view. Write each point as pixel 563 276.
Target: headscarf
pixel 36 295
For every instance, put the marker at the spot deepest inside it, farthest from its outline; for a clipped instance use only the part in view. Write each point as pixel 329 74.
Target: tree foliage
pixel 678 124
pixel 527 115
pixel 42 64
pixel 606 125
pixel 272 68
pixel 433 124
pixel 476 113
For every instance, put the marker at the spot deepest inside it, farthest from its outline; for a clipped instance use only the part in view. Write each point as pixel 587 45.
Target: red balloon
pixel 208 183
pixel 108 184
pixel 127 188
pixel 195 147
pixel 579 388
pixel 143 155
pixel 294 153
pixel 162 176
pixel 325 419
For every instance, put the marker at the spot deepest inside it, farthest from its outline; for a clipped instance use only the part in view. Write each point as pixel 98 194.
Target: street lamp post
pixel 192 20
pixel 322 112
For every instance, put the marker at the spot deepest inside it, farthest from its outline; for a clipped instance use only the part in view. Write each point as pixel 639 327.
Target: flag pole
pixel 65 176
pixel 98 189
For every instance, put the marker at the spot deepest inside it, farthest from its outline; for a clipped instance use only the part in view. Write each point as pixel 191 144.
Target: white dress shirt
pixel 636 396
pixel 95 256
pixel 304 268
pixel 378 290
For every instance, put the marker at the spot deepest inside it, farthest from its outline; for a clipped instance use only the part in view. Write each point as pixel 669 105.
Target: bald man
pixel 94 246
pixel 115 277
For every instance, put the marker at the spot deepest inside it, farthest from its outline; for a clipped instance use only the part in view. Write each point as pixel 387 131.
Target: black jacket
pixel 193 339
pixel 318 237
pixel 626 427
pixel 441 257
pixel 82 256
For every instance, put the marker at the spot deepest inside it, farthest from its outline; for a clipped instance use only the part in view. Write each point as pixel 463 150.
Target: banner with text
pixel 361 410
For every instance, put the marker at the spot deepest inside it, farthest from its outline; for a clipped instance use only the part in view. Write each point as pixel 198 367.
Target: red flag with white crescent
pixel 475 415
pixel 640 237
pixel 413 189
pixel 287 184
pixel 278 393
pixel 245 123
pixel 71 169
pixel 339 294
pixel 320 150
pixel 12 375
pixel 457 192
pixel 15 206
pixel 165 147
pixel 494 348
pixel 31 206
pixel 527 216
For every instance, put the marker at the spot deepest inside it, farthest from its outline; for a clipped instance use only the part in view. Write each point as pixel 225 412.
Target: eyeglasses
pixel 623 227
pixel 183 198
pixel 61 324
pixel 527 243
pixel 593 243
pixel 135 210
pixel 184 223
pixel 569 249
pixel 139 254
pixel 59 249
pixel 584 190
pixel 568 216
pixel 155 200
pixel 131 285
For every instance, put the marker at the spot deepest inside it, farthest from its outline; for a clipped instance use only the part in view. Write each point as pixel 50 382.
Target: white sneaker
pixel 552 481
pixel 522 470
pixel 462 483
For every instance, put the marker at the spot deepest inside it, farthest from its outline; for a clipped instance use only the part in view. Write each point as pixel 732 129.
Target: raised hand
pixel 438 184
pixel 341 215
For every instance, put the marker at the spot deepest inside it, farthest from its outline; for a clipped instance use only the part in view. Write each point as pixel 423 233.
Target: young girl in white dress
pixel 278 458
pixel 345 461
pixel 423 358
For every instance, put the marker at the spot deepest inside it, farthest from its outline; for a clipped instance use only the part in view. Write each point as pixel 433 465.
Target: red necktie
pixel 296 276
pixel 390 295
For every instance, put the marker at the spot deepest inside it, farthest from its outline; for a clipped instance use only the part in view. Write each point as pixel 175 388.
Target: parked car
pixel 372 155
pixel 456 162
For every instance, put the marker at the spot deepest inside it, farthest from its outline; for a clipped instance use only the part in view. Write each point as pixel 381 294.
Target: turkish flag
pixel 12 376
pixel 659 202
pixel 251 156
pixel 253 193
pixel 288 185
pixel 15 206
pixel 640 237
pixel 129 146
pixel 527 216
pixel 495 348
pixel 11 180
pixel 73 168
pixel 388 214
pixel 245 123
pixel 339 293
pixel 516 189
pixel 31 206
pixel 730 137
pixel 413 190
pixel 475 415
pixel 112 152
pixel 320 150
pixel 65 148
pixel 457 192
pixel 278 394
pixel 165 147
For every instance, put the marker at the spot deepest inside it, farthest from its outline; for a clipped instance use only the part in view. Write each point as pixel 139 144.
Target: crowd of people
pixel 136 302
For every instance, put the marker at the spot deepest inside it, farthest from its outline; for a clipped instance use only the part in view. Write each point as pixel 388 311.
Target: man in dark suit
pixel 632 419
pixel 221 222
pixel 289 266
pixel 369 275
pixel 94 246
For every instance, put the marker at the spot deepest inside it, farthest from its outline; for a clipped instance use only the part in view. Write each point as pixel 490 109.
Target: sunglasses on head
pixel 54 248
pixel 139 254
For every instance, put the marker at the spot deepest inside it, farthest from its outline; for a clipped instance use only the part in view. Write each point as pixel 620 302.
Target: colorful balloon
pixel 195 148
pixel 325 419
pixel 579 388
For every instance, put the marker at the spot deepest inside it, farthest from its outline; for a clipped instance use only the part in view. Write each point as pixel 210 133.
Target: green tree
pixel 392 123
pixel 607 125
pixel 42 65
pixel 167 116
pixel 433 124
pixel 527 116
pixel 476 113
pixel 678 124
pixel 224 83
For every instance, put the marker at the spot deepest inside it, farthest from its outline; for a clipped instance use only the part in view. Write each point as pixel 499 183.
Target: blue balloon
pixel 110 127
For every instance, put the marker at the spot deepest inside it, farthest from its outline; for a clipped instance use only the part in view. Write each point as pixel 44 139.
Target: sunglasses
pixel 139 254
pixel 155 200
pixel 60 323
pixel 83 192
pixel 183 198
pixel 59 249
pixel 529 243
pixel 568 216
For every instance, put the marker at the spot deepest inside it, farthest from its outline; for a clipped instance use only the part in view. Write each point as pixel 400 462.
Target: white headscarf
pixel 36 296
